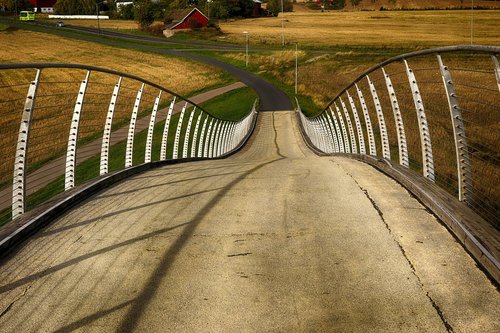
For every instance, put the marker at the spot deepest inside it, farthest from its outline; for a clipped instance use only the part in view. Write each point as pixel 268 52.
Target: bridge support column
pixel 19 179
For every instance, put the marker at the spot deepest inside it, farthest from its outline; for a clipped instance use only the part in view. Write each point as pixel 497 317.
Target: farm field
pixel 420 4
pixel 181 75
pixel 415 29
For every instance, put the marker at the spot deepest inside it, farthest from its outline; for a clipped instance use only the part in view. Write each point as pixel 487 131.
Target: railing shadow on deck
pixel 429 119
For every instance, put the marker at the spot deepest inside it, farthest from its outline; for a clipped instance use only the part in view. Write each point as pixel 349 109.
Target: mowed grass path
pixel 371 28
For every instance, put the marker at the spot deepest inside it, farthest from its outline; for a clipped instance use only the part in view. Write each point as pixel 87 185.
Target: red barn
pixel 43 6
pixel 188 18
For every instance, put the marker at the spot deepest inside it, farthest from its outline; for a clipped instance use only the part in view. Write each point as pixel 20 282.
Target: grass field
pixel 416 29
pixel 180 75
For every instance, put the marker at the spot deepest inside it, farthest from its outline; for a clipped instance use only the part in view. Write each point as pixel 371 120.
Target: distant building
pixel 121 3
pixel 257 8
pixel 43 6
pixel 188 18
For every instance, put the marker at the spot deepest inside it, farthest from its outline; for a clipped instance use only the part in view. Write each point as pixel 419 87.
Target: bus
pixel 26 15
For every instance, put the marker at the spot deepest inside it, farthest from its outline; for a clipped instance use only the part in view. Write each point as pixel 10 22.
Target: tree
pixel 11 5
pixel 75 7
pixel 274 6
pixel 126 12
pixel 144 13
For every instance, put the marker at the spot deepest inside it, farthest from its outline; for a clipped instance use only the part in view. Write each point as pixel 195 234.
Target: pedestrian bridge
pixel 278 222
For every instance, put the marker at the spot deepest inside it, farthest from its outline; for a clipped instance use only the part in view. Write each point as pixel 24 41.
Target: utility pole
pixel 97 11
pixel 246 47
pixel 472 24
pixel 282 24
pixel 296 66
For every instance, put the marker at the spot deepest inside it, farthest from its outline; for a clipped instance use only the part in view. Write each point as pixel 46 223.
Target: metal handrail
pixel 414 116
pixel 494 50
pixel 43 65
pixel 191 131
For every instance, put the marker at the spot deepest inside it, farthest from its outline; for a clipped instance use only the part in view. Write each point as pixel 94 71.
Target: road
pixel 271 98
pixel 273 239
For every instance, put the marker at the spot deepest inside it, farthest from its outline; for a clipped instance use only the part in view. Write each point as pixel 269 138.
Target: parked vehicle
pixel 60 24
pixel 26 15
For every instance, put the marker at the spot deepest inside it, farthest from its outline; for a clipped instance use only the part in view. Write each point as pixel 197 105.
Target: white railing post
pixel 69 175
pixel 151 127
pixel 106 136
pixel 185 147
pixel 131 129
pixel 164 140
pixel 361 139
pixel 464 171
pixel 368 122
pixel 386 149
pixel 400 129
pixel 19 179
pixel 195 136
pixel 425 137
pixel 333 132
pixel 497 70
pixel 207 139
pixel 215 131
pixel 175 153
pixel 340 140
pixel 347 145
pixel 202 137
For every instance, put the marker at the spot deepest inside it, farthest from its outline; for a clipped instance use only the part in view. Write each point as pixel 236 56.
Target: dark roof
pixel 43 3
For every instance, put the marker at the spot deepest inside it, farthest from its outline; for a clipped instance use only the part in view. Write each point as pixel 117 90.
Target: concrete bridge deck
pixel 273 239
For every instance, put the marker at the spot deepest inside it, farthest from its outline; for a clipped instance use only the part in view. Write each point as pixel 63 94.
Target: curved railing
pixel 435 113
pixel 63 125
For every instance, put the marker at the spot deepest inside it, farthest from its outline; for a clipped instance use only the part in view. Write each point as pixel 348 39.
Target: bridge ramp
pixel 273 239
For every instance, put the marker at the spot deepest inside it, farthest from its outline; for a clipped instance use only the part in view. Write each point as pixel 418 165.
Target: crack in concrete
pixel 276 139
pixel 436 307
pixel 7 309
pixel 239 254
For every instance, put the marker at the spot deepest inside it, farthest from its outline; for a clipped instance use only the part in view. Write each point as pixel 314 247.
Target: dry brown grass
pixel 180 75
pixel 58 90
pixel 419 4
pixel 408 28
